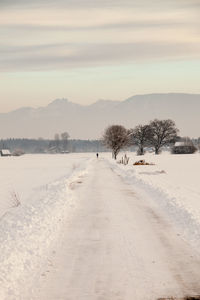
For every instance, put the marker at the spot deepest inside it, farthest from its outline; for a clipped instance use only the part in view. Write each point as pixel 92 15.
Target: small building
pixel 184 147
pixel 5 152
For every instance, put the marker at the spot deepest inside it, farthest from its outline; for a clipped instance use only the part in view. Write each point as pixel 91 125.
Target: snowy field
pixel 27 176
pixel 43 186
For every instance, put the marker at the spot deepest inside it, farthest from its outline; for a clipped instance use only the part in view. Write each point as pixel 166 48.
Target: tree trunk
pixel 114 154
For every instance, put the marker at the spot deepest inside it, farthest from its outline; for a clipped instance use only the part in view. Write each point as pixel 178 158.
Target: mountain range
pixel 89 122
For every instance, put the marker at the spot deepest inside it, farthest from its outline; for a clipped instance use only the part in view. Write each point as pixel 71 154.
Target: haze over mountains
pixel 89 122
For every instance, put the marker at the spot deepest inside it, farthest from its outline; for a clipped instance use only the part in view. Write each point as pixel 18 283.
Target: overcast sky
pixel 86 50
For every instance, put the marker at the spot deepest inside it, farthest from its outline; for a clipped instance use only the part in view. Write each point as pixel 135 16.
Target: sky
pixel 86 50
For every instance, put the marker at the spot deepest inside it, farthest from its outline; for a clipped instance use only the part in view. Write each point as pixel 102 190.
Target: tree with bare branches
pixel 163 132
pixel 116 137
pixel 140 136
pixel 65 138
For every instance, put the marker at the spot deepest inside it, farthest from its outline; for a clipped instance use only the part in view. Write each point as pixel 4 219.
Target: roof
pixel 184 143
pixel 5 152
pixel 178 144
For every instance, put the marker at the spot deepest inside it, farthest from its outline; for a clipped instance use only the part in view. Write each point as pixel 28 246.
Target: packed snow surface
pixel 74 227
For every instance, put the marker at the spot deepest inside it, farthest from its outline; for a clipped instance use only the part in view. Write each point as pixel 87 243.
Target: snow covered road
pixel 117 245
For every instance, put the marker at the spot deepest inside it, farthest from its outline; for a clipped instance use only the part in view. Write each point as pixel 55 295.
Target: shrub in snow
pixel 124 160
pixel 15 199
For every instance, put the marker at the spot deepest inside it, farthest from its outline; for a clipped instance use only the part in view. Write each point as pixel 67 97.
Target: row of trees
pixel 60 142
pixel 41 145
pixel 156 134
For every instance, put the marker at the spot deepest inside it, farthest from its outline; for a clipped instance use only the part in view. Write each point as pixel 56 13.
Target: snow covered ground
pixel 26 176
pixel 119 245
pixel 46 185
pixel 28 231
pixel 173 182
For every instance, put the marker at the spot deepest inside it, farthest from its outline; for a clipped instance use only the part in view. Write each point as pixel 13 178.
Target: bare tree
pixel 163 132
pixel 141 135
pixel 116 137
pixel 65 137
pixel 57 142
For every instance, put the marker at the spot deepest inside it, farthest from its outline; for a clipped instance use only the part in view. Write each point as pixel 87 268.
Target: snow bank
pixel 173 182
pixel 28 175
pixel 28 232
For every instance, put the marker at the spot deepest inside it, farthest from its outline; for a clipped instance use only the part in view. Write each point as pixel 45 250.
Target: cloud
pixel 102 3
pixel 76 33
pixel 75 3
pixel 61 56
pixel 106 26
pixel 71 3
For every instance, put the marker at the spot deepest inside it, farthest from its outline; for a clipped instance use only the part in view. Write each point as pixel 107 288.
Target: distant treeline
pixel 51 146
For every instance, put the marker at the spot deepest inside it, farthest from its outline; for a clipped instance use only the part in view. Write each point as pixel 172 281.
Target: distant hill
pixel 89 122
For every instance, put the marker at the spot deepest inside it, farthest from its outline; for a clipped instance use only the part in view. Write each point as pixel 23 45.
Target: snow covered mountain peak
pixel 59 102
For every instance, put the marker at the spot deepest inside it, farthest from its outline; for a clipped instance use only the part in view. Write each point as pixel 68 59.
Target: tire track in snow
pixel 117 246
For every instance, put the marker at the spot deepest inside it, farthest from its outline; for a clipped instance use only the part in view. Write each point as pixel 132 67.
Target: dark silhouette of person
pixel 97 155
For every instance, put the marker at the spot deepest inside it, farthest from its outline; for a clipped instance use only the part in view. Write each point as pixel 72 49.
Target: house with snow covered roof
pixel 5 152
pixel 184 147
